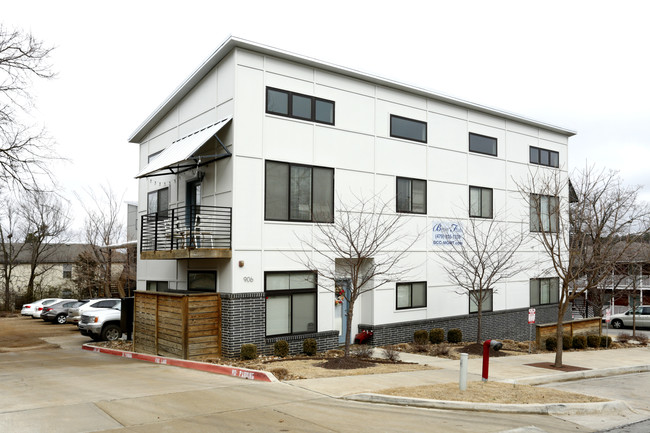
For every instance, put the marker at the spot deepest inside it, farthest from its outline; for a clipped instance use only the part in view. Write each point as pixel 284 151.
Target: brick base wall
pixel 509 324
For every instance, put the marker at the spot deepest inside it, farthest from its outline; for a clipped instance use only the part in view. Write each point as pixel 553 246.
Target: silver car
pixel 641 316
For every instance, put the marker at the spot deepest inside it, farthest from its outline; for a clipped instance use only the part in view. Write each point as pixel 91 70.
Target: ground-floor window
pixel 290 302
pixel 544 291
pixel 483 296
pixel 157 286
pixel 202 281
pixel 411 295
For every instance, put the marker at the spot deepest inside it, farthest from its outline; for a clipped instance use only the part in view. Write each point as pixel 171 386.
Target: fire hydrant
pixel 494 344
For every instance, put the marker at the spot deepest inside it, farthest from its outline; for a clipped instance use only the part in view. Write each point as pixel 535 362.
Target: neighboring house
pixel 258 144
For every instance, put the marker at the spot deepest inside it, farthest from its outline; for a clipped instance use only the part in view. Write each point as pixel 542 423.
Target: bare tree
pixel 23 148
pixel 585 228
pixel 11 246
pixel 365 244
pixel 484 258
pixel 46 222
pixel 104 226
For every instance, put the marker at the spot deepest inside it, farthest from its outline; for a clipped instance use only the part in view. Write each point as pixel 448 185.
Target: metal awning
pixel 176 158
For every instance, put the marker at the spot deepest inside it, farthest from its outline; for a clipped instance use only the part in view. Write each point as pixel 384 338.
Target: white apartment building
pixel 259 144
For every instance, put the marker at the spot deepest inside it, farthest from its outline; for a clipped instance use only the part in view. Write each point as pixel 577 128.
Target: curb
pixel 243 373
pixel 577 375
pixel 538 409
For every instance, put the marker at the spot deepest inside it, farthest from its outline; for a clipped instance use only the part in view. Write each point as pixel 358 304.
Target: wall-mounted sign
pixel 447 233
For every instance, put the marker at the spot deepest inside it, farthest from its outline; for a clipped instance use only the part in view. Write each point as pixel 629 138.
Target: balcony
pixel 186 232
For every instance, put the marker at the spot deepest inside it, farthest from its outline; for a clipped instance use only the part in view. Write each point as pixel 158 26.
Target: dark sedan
pixel 57 313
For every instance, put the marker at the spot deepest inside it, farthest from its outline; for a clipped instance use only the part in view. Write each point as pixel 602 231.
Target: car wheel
pixel 111 332
pixel 60 319
pixel 617 323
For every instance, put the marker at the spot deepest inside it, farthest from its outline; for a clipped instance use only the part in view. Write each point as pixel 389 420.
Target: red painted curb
pixel 243 373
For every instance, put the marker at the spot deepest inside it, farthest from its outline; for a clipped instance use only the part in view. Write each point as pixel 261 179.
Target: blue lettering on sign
pixel 447 233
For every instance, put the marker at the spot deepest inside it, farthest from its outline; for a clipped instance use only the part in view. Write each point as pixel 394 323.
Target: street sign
pixel 531 315
pixel 608 315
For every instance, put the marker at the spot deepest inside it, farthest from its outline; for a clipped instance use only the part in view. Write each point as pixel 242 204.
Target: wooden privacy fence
pixel 591 325
pixel 186 326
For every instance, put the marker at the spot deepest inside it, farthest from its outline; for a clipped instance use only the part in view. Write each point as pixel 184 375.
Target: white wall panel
pixel 447 132
pixel 201 99
pixel 250 59
pixel 249 112
pixel 283 67
pixel 401 158
pixel 288 140
pixel 352 112
pixel 335 148
pixel 486 171
pixel 248 213
pixel 486 119
pixel 447 166
pixel 446 109
pixel 401 98
pixel 348 85
pixel 226 80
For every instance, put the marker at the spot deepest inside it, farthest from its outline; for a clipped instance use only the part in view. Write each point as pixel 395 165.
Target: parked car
pixel 642 314
pixel 31 308
pixel 58 312
pixel 102 323
pixel 74 314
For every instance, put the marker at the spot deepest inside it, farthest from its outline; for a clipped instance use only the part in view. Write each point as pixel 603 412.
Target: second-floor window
pixel 545 157
pixel 67 270
pixel 296 105
pixel 482 144
pixel 544 213
pixel 296 192
pixel 158 201
pixel 411 195
pixel 410 129
pixel 480 202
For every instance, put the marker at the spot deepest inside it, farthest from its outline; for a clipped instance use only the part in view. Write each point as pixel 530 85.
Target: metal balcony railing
pixel 190 227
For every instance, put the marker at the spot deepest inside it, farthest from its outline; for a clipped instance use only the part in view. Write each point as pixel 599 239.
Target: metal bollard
pixel 463 372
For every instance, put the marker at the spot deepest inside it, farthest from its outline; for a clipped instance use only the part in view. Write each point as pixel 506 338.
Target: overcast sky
pixel 582 65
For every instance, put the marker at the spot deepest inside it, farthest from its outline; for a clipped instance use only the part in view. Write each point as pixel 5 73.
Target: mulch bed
pixel 346 363
pixel 551 366
pixel 477 349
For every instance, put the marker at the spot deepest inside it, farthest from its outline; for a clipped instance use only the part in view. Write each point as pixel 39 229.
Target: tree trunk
pixel 480 318
pixel 559 334
pixel 348 328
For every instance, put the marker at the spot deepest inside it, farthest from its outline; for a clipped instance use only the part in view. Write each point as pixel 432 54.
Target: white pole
pixel 463 371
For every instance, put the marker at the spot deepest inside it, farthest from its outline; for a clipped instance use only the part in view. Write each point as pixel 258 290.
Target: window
pixel 158 202
pixel 411 295
pixel 202 281
pixel 482 144
pixel 545 157
pixel 67 270
pixel 544 213
pixel 411 195
pixel 544 291
pixel 486 304
pixel 480 202
pixel 153 156
pixel 157 286
pixel 402 127
pixel 299 192
pixel 290 104
pixel 290 302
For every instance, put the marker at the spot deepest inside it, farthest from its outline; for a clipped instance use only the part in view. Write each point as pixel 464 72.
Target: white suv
pixel 102 323
pixel 74 314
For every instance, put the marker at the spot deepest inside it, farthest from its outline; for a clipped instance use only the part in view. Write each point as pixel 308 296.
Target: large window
pixel 486 304
pixel 157 286
pixel 544 213
pixel 299 192
pixel 545 157
pixel 402 127
pixel 290 302
pixel 202 281
pixel 482 144
pixel 290 104
pixel 480 202
pixel 544 291
pixel 411 295
pixel 411 195
pixel 158 201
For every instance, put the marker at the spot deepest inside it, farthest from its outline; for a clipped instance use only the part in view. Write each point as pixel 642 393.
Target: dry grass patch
pixel 491 392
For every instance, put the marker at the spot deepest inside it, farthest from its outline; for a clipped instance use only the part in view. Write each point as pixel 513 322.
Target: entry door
pixel 345 285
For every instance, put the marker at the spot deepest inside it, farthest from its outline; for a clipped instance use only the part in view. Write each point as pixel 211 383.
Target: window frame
pixel 472 299
pixel 198 272
pixel 397 201
pixel 291 292
pixel 537 219
pixel 539 151
pixel 288 192
pixel 160 212
pixel 539 302
pixel 157 284
pixel 67 271
pixel 496 144
pixel 289 114
pixel 481 189
pixel 410 285
pixel 424 123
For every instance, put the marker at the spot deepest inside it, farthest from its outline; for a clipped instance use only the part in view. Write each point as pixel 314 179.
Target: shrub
pixel 567 342
pixel 605 341
pixel 624 337
pixel 309 346
pixel 437 335
pixel 281 348
pixel 420 337
pixel 362 351
pixel 440 350
pixel 454 335
pixel 579 342
pixel 593 340
pixel 280 373
pixel 391 353
pixel 642 339
pixel 551 344
pixel 248 351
